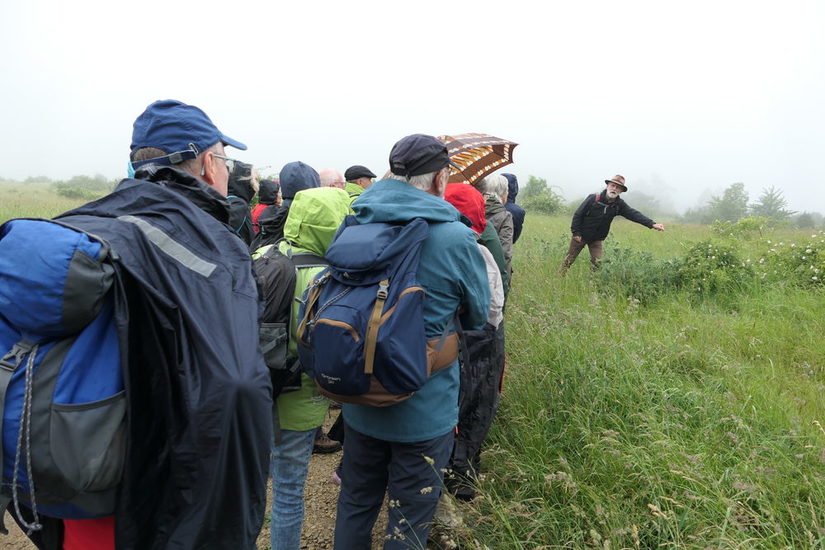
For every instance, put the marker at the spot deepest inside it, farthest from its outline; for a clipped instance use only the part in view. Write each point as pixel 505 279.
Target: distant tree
pixel 37 179
pixel 730 207
pixel 771 204
pixel 540 197
pixel 535 186
pixel 698 214
pixel 804 221
pixel 808 220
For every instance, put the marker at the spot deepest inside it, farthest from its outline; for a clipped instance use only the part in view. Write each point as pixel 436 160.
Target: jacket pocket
pixel 88 442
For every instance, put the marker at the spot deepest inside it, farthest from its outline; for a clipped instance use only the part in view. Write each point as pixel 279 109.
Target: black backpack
pixel 276 274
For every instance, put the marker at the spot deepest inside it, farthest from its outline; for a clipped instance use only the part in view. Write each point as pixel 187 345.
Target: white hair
pixel 421 181
pixel 331 178
pixel 494 185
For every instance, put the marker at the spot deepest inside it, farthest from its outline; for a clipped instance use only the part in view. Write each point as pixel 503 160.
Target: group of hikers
pixel 226 341
pixel 195 287
pixel 411 450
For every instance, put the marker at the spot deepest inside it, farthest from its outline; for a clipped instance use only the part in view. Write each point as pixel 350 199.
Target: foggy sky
pixel 683 99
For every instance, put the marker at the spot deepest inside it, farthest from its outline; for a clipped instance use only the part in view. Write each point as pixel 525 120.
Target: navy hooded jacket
pixel 515 210
pixel 198 392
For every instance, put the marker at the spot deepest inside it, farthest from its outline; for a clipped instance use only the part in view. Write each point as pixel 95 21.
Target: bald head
pixel 331 178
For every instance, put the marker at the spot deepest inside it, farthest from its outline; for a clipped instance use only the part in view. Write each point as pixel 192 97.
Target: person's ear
pixel 208 167
pixel 438 183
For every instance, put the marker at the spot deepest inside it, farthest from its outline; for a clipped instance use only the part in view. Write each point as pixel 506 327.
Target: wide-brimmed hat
pixel 618 180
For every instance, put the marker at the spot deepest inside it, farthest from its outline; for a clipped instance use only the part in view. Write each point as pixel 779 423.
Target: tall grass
pixel 34 200
pixel 682 422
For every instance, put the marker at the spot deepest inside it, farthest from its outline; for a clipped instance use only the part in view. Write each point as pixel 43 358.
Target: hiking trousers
pixel 596 252
pixel 290 464
pixel 411 475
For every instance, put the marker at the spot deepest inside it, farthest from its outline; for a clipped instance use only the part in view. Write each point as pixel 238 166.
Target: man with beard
pixel 592 219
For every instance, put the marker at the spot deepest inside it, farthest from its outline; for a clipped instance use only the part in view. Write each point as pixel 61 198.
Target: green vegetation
pixel 84 187
pixel 732 206
pixel 540 197
pixel 686 416
pixel 33 199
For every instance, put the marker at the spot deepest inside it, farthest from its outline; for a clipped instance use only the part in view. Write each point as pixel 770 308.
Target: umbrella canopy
pixel 477 155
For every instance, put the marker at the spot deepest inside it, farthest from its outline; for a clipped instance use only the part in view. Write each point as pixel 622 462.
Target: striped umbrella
pixel 477 155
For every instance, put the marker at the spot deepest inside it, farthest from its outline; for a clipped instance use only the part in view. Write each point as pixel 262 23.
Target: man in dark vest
pixel 592 219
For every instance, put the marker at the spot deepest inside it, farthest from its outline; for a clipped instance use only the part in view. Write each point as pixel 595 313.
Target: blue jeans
pixel 290 463
pixel 372 467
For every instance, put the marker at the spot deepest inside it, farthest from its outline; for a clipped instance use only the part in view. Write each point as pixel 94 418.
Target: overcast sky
pixel 683 98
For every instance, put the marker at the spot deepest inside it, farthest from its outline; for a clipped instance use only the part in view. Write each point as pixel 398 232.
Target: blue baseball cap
pixel 182 130
pixel 418 154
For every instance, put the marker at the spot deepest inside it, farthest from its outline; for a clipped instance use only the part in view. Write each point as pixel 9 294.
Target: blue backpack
pixel 62 398
pixel 361 331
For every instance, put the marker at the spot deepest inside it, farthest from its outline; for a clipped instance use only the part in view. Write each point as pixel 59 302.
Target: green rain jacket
pixel 353 190
pixel 313 219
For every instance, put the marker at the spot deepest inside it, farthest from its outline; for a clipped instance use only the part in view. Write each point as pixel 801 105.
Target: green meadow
pixel 688 415
pixel 36 200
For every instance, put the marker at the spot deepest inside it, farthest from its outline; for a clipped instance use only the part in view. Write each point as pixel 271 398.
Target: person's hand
pixel 658 227
pixel 577 238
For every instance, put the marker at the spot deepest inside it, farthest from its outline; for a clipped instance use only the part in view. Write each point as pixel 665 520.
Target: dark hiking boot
pixel 325 445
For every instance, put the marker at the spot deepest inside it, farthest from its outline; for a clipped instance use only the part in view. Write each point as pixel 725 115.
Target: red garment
pixel 256 213
pixel 469 202
pixel 89 534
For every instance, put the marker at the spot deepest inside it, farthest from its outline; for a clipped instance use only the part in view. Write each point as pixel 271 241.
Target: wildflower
pixel 808 251
pixel 429 460
pixel 761 260
pixel 814 278
pixel 426 490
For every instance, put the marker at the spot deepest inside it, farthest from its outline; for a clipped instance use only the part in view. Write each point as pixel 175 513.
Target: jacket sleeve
pixel 634 215
pixel 576 224
pixel 506 237
pixel 476 288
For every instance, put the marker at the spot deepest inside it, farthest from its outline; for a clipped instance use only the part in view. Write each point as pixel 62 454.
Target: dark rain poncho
pixel 199 396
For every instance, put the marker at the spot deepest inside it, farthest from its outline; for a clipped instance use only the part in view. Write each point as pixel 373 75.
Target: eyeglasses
pixel 230 162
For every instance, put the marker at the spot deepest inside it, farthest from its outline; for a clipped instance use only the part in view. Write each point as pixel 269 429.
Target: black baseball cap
pixel 418 154
pixel 357 171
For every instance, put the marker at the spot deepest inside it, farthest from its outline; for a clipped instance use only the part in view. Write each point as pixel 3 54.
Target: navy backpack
pixel 361 330
pixel 62 398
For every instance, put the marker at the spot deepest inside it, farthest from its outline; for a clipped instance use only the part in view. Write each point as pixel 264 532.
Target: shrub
pixel 802 263
pixel 545 202
pixel 637 275
pixel 711 268
pixel 745 228
pixel 84 187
